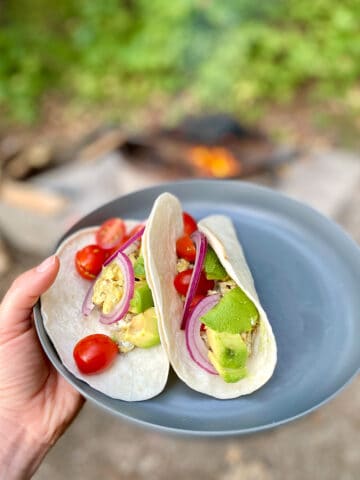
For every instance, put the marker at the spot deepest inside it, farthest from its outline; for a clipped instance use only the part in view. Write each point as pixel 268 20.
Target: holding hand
pixel 36 403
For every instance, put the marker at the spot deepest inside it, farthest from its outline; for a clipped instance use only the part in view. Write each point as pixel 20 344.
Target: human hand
pixel 36 403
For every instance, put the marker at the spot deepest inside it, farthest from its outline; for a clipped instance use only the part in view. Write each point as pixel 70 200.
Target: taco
pixel 216 333
pixel 106 331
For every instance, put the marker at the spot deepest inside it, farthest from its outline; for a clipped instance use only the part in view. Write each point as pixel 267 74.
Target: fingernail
pixel 46 264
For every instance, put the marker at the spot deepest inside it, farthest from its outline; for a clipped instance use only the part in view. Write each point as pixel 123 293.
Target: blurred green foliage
pixel 229 54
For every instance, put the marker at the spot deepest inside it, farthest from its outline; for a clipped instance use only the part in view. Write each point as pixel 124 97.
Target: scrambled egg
pixel 119 336
pixel 224 287
pixel 248 338
pixel 182 265
pixel 108 288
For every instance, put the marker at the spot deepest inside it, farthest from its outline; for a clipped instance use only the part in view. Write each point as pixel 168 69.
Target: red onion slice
pixel 122 307
pixel 200 243
pixel 194 343
pixel 88 305
pixel 126 245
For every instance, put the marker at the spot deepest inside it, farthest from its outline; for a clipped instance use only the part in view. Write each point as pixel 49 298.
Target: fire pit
pixel 208 146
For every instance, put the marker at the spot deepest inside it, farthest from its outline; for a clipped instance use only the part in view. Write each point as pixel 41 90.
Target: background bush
pixel 232 54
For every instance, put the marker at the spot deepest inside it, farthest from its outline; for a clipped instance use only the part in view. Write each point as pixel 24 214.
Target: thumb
pixel 16 307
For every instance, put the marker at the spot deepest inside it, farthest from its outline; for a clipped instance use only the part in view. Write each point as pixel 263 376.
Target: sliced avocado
pixel 235 313
pixel 212 266
pixel 139 268
pixel 229 349
pixel 142 299
pixel 229 375
pixel 143 330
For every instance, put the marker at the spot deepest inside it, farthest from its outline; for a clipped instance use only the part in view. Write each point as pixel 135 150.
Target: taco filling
pixel 100 311
pixel 137 326
pixel 216 333
pixel 122 297
pixel 219 319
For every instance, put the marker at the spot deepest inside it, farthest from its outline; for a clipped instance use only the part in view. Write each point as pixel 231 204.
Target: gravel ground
pixel 322 445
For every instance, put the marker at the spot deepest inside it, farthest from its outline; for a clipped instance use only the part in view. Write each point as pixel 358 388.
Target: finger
pixel 16 307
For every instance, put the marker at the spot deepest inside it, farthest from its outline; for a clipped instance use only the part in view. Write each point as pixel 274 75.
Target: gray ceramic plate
pixel 307 274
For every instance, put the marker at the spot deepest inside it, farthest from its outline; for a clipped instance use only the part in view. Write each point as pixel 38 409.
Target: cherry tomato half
pixel 95 353
pixel 89 260
pixel 204 285
pixel 185 248
pixel 189 224
pixel 111 233
pixel 126 238
pixel 182 281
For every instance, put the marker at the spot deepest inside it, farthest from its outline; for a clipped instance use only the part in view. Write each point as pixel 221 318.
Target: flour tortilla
pixel 137 375
pixel 165 226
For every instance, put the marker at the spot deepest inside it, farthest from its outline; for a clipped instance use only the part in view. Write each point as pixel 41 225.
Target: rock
pixel 10 146
pixel 326 180
pixel 35 157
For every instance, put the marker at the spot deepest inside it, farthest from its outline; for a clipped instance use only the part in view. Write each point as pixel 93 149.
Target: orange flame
pixel 215 161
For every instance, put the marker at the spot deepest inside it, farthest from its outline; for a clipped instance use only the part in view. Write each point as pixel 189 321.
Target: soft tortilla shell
pixel 162 270
pixel 137 375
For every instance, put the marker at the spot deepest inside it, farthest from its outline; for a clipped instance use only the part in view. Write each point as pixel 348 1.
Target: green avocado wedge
pixel 212 266
pixel 229 349
pixel 143 330
pixel 235 313
pixel 139 268
pixel 229 375
pixel 142 298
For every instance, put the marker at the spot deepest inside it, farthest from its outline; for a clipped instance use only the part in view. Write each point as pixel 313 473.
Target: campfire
pixel 214 161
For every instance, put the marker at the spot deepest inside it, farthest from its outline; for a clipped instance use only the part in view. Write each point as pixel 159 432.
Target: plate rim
pixel 73 380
